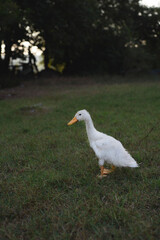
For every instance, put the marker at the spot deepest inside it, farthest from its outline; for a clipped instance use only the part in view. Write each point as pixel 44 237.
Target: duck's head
pixel 81 115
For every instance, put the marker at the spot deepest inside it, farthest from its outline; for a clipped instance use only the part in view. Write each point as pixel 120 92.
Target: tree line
pixel 89 36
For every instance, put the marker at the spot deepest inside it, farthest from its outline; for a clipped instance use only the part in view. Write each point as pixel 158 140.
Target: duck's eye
pixel 80 114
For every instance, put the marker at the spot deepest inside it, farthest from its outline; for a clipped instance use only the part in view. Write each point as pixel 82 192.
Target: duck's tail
pixel 133 164
pixel 130 161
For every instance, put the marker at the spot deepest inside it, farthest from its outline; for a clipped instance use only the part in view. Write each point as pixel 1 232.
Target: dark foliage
pixel 90 36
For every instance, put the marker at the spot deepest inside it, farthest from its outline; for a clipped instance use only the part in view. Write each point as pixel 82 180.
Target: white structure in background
pixel 2 50
pixel 35 51
pixel 19 62
pixel 150 3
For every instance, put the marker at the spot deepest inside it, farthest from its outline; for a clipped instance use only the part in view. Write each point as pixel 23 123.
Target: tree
pixel 65 26
pixel 88 35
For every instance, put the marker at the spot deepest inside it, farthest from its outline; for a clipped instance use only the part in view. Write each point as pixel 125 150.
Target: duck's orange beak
pixel 74 120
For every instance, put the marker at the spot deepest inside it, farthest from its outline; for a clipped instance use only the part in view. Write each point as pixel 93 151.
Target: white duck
pixel 106 148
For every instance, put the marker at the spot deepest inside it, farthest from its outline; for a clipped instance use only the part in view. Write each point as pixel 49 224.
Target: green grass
pixel 48 184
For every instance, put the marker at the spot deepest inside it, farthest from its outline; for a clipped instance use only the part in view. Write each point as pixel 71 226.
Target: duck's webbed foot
pixel 105 171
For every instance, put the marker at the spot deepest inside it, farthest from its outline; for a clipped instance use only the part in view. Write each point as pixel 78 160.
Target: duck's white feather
pixel 106 148
pixel 112 151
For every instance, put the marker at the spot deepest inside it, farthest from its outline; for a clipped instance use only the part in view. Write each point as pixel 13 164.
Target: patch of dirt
pixel 34 109
pixel 44 86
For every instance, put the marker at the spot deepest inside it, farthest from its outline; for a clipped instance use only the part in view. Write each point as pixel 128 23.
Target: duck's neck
pixel 90 129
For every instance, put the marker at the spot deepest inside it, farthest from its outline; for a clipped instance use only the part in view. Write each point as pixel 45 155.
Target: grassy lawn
pixel 48 184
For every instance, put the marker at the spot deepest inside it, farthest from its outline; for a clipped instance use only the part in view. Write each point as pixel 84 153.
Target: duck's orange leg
pixel 105 171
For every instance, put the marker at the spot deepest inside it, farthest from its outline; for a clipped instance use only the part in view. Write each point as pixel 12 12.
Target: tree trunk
pixel 46 56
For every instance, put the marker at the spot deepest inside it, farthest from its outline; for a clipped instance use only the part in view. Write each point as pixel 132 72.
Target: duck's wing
pixel 113 151
pixel 105 148
pixel 107 143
